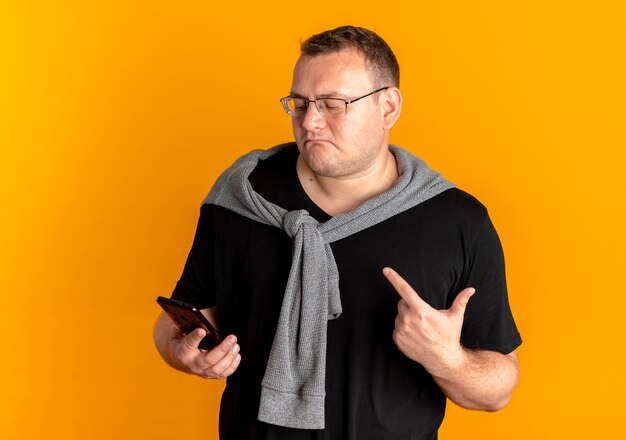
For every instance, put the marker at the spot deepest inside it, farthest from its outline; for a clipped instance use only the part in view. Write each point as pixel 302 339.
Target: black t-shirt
pixel 373 391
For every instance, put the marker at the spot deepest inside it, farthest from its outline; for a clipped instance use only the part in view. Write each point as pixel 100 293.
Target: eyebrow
pixel 323 95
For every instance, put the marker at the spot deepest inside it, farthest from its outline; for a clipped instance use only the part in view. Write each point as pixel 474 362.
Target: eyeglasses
pixel 328 107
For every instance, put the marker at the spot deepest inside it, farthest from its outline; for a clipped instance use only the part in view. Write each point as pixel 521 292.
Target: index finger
pixel 404 289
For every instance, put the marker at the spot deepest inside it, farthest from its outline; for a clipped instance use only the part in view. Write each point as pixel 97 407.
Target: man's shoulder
pixel 277 156
pixel 457 202
pixel 275 171
pixel 276 152
pixel 449 211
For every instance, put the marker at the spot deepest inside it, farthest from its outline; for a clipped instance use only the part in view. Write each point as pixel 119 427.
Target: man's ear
pixel 391 105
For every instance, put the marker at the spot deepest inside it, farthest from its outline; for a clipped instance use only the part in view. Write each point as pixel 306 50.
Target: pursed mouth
pixel 315 141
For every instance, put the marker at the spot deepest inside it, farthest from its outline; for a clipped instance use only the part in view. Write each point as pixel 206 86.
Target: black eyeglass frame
pixel 285 102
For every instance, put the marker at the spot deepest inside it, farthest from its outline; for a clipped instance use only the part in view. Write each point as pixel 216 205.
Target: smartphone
pixel 188 318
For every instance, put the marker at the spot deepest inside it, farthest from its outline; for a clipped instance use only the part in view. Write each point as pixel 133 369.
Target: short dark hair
pixel 377 52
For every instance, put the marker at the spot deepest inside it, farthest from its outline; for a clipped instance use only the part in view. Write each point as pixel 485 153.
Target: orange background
pixel 117 116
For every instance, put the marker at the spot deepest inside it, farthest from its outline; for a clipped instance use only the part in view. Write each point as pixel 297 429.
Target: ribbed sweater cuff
pixel 291 410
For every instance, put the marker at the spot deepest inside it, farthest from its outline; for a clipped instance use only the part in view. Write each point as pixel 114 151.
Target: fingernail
pixel 231 340
pixel 386 271
pixel 235 349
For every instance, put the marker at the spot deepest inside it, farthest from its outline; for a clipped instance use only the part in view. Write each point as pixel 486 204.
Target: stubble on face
pixel 324 159
pixel 345 146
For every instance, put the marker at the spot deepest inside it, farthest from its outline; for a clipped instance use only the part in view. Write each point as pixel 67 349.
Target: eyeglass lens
pixel 326 106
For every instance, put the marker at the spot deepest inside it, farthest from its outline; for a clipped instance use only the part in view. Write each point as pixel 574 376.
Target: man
pixel 342 270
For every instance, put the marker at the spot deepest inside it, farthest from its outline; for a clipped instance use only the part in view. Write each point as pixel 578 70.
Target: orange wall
pixel 115 118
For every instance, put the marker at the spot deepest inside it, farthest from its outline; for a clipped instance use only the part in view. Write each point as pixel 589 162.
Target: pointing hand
pixel 424 334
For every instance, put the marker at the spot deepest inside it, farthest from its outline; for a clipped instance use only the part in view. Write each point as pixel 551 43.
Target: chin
pixel 318 165
pixel 316 154
pixel 323 160
pixel 326 168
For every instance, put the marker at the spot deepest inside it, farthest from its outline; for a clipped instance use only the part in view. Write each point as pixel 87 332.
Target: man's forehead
pixel 331 75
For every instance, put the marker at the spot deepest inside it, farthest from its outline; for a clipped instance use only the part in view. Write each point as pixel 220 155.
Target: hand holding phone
pixel 188 318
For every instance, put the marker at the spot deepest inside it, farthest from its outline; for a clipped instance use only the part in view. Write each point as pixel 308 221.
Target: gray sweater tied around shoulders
pixel 293 388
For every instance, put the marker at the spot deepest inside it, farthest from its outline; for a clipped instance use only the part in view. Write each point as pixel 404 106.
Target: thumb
pixel 461 300
pixel 192 340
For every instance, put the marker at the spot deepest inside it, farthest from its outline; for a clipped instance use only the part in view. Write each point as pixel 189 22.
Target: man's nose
pixel 312 119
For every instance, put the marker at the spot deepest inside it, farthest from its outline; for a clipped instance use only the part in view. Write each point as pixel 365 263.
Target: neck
pixel 337 195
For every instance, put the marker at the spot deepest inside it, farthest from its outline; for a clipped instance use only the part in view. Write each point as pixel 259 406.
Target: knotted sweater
pixel 293 387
